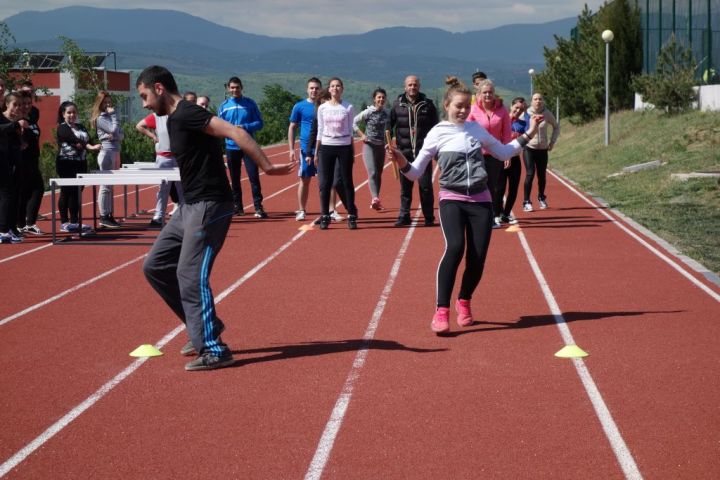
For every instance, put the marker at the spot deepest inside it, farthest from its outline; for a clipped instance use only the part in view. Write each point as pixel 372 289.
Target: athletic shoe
pixel 543 203
pixel 317 221
pixel 208 361
pixel 376 205
pixel 238 212
pixel 10 237
pixel 175 209
pixel 69 227
pixel 440 322
pixel 336 217
pixel 300 215
pixel 156 222
pixel 509 219
pixel 464 318
pixel 188 350
pixel 32 229
pixel 403 221
pixel 85 228
pixel 527 207
pixel 108 222
pixel 429 222
pixel 352 222
pixel 260 213
pixel 324 222
pixel 496 223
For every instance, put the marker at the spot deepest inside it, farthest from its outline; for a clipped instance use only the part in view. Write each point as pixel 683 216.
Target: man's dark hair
pixel 314 80
pixel 480 75
pixel 517 99
pixel 156 74
pixel 235 80
pixel 26 83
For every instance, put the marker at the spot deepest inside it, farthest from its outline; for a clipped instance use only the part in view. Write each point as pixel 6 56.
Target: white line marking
pixel 622 453
pixel 645 244
pixel 69 290
pixel 25 253
pixel 332 428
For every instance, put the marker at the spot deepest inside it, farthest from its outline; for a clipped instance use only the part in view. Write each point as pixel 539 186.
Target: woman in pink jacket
pixel 490 113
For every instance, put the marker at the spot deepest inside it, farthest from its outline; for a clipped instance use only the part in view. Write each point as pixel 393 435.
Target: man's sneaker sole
pixel 209 362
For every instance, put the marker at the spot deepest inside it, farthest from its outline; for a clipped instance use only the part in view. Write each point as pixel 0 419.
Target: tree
pixel 275 108
pixel 87 82
pixel 575 68
pixel 9 58
pixel 671 86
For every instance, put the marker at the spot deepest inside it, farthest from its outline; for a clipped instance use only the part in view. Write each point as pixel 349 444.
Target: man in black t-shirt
pixel 179 264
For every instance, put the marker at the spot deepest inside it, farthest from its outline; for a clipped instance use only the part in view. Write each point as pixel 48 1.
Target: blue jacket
pixel 243 112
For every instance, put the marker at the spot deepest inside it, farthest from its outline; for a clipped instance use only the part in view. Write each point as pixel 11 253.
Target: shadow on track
pixel 310 349
pixel 532 321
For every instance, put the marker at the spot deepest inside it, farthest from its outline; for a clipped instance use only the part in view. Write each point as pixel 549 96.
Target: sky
pixel 315 18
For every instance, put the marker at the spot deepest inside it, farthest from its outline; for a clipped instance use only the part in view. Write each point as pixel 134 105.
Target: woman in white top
pixel 335 119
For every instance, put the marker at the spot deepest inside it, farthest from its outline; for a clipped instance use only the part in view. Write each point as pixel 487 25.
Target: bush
pixel 671 87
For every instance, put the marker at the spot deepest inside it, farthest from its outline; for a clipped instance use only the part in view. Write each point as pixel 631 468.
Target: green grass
pixel 686 214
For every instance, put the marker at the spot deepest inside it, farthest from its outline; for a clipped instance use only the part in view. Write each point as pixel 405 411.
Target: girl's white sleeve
pixel 425 156
pixel 498 149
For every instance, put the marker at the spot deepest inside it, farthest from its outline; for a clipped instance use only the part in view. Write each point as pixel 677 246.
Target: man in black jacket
pixel 411 118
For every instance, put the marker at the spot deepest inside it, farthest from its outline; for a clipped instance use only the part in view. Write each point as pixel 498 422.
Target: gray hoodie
pixel 108 127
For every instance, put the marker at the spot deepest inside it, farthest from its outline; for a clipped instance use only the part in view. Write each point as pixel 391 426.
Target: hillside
pixel 191 45
pixel 686 214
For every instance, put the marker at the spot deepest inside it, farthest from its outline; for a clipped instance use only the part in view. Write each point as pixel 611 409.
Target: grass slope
pixel 686 214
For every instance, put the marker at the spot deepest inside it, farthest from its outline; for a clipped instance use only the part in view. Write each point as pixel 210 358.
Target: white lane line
pixel 332 428
pixel 25 253
pixel 622 453
pixel 69 417
pixel 69 290
pixel 658 253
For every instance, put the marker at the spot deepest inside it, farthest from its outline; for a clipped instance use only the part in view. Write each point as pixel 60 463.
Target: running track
pixel 338 374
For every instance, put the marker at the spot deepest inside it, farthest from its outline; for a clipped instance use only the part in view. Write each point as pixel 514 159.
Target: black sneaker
pixel 208 361
pixel 403 221
pixel 429 222
pixel 188 350
pixel 155 223
pixel 238 211
pixel 324 222
pixel 352 222
pixel 260 213
pixel 108 222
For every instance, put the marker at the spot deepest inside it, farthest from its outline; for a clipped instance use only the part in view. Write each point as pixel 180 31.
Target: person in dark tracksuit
pixel 180 262
pixel 411 118
pixel 32 186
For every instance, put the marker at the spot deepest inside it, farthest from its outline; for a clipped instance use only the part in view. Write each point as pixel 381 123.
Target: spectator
pixel 109 132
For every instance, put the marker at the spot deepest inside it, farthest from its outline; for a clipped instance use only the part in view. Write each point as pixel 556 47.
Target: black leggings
pixel 463 223
pixel 31 192
pixel 510 179
pixel 535 158
pixel 343 156
pixel 69 202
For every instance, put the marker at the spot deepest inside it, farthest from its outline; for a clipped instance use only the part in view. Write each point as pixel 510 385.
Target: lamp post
pixel 531 72
pixel 607 37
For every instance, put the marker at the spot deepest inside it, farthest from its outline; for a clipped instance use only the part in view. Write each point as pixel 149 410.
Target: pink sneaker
pixel 440 322
pixel 464 318
pixel 376 205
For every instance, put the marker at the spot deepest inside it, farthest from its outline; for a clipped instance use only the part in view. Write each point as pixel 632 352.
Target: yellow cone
pixel 146 350
pixel 305 228
pixel 571 351
pixel 513 229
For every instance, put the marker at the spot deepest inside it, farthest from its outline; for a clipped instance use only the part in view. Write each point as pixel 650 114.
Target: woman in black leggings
pixel 536 153
pixel 73 142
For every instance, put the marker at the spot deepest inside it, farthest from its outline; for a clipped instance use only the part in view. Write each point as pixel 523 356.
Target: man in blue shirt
pixel 242 112
pixel 303 114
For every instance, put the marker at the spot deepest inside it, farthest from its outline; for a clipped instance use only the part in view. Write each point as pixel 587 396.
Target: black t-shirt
pixel 199 155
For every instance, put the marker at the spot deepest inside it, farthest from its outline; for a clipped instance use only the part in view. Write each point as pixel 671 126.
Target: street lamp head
pixel 608 36
pixel 531 71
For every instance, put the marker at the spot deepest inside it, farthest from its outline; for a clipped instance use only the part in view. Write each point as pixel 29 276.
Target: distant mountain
pixel 191 45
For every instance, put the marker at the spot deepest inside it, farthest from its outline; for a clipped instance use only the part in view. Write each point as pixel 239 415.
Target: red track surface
pixel 326 314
